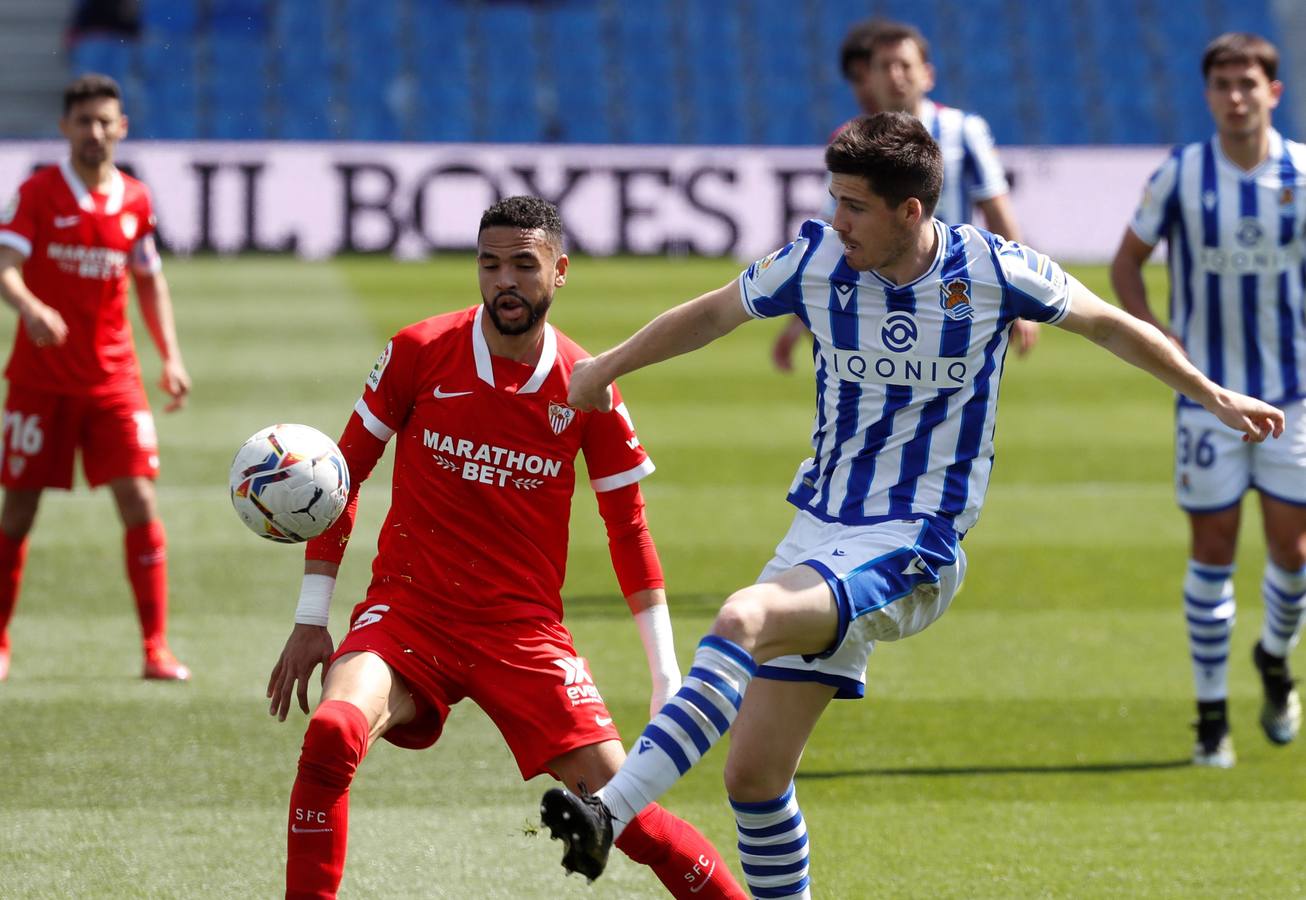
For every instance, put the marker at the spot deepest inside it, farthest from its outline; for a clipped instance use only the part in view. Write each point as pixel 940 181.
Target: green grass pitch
pixel 1033 743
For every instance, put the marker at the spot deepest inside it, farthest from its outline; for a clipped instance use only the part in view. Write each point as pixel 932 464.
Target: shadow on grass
pixel 938 771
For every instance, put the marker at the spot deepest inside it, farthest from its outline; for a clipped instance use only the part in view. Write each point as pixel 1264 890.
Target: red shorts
pixel 43 431
pixel 524 673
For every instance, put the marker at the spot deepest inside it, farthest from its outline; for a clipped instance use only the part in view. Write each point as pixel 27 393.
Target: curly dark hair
pixel 525 212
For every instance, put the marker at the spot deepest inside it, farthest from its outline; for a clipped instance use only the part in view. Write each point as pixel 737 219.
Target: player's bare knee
pixel 741 619
pixel 753 784
pixel 135 500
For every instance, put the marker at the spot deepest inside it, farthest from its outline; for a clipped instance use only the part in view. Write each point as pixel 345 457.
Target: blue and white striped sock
pixel 1285 605
pixel 683 730
pixel 1209 608
pixel 773 846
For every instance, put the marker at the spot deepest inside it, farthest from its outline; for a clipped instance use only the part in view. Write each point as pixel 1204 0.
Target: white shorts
pixel 890 580
pixel 1214 466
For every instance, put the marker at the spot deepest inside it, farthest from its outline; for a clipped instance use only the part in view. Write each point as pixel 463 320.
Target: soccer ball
pixel 289 483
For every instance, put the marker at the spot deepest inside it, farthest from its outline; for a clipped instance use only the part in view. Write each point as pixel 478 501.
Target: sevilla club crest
pixel 127 221
pixel 560 416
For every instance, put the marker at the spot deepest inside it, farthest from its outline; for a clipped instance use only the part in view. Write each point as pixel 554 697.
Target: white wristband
pixel 315 600
pixel 654 625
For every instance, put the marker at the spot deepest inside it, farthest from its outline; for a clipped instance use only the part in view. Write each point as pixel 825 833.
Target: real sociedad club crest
pixel 954 297
pixel 560 416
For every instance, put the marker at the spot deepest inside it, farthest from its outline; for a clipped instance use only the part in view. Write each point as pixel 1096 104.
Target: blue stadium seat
pixel 373 90
pixel 442 64
pixel 172 17
pixel 239 16
pixel 713 69
pixel 234 96
pixel 781 72
pixel 171 92
pixel 646 75
pixel 574 43
pixel 504 37
pixel 108 55
pixel 302 87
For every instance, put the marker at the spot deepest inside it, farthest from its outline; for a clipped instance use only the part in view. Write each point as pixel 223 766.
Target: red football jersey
pixel 485 467
pixel 79 246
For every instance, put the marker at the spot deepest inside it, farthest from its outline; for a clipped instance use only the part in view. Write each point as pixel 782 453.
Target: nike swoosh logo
pixel 297 830
pixel 603 721
pixel 65 221
pixel 444 395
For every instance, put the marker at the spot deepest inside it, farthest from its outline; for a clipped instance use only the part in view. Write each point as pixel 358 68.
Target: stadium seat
pixel 177 18
pixel 779 74
pixel 575 74
pixel 712 67
pixel 442 64
pixel 373 91
pixel 171 98
pixel 647 75
pixel 504 37
pixel 234 96
pixel 110 55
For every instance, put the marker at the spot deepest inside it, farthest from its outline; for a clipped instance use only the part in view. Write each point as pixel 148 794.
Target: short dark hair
pixel 856 46
pixel 1241 47
pixel 91 86
pixel 894 152
pixel 887 33
pixel 525 212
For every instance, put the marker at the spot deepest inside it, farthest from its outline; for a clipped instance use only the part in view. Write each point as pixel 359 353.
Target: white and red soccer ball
pixel 289 483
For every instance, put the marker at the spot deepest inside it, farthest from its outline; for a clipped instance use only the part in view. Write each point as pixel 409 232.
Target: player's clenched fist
pixel 589 388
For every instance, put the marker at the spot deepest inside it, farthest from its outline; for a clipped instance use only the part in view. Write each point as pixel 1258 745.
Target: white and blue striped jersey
pixel 971 170
pixel 906 376
pixel 1235 241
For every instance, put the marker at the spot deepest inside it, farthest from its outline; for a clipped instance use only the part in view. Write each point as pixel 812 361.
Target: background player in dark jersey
pixel 465 599
pixel 67 242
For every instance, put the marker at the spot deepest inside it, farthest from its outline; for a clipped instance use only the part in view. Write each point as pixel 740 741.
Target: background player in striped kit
pixel 911 319
pixel 887 67
pixel 1232 210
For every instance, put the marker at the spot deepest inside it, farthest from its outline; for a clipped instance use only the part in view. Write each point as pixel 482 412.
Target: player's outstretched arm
pixel 44 325
pixel 156 309
pixel 308 646
pixel 678 330
pixel 1146 347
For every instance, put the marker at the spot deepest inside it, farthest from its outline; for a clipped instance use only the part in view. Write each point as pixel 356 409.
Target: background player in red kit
pixel 465 599
pixel 67 241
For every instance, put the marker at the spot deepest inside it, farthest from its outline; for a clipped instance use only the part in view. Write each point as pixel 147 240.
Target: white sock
pixel 1209 608
pixel 773 847
pixel 682 731
pixel 1285 602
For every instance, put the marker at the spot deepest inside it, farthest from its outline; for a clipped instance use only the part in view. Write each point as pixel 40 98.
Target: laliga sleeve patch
pixel 378 368
pixel 10 210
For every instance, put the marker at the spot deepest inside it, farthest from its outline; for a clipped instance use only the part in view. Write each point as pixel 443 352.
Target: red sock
pixel 147 570
pixel 318 829
pixel 13 555
pixel 686 863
